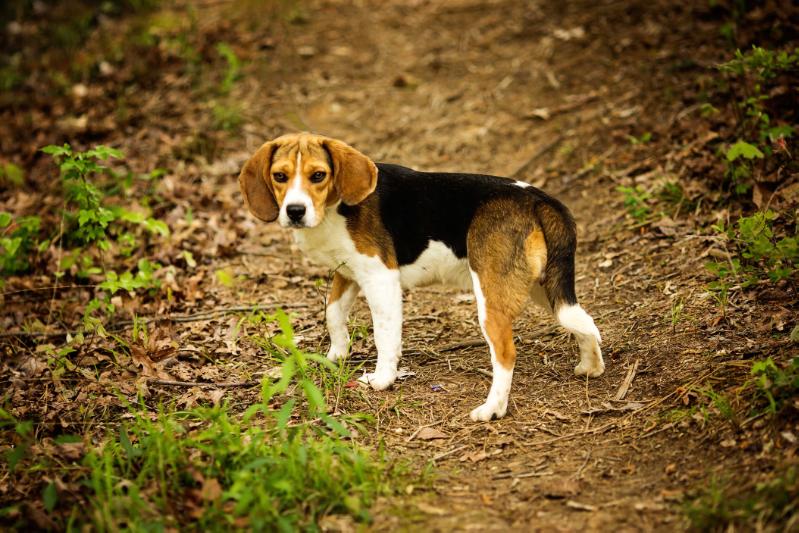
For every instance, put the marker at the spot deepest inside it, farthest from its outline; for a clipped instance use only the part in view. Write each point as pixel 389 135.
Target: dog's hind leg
pixel 496 322
pixel 574 318
pixel 561 300
pixel 342 295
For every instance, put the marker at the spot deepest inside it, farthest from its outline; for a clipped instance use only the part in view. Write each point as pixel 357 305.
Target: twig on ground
pixel 223 385
pixel 458 345
pixel 535 473
pixel 485 372
pixel 445 454
pixel 628 379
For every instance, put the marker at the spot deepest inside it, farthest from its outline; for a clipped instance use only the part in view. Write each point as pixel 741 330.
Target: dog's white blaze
pixel 336 315
pixel 296 195
pixel 577 321
pixel 522 184
pixel 496 403
pixel 436 264
pixel 330 244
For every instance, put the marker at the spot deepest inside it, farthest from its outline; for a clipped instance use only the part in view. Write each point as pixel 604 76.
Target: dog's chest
pixel 329 244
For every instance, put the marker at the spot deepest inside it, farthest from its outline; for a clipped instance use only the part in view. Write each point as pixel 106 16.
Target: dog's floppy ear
pixel 256 186
pixel 354 174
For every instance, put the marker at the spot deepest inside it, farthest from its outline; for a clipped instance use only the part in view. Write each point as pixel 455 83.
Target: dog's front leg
pixel 342 296
pixel 384 295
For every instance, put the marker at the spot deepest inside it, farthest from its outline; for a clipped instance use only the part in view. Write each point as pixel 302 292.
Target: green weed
pixel 226 117
pixel 722 505
pixel 636 200
pixel 643 139
pixel 775 387
pixel 233 70
pixel 761 253
pixel 18 238
pixel 282 464
pixel 11 174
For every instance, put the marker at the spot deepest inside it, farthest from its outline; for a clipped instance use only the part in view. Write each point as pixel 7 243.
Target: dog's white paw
pixel 488 411
pixel 379 380
pixel 337 352
pixel 588 369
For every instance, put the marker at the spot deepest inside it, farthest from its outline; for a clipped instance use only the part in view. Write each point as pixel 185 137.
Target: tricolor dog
pixel 384 228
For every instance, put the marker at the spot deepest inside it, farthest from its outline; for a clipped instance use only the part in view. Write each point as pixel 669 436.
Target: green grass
pixel 725 506
pixel 279 465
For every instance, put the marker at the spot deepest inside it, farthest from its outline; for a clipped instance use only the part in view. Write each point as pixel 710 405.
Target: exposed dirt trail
pixel 537 92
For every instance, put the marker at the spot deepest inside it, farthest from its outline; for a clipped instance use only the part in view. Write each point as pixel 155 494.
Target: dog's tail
pixel 560 235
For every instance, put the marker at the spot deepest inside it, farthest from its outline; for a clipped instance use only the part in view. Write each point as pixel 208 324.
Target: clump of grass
pixel 282 464
pixel 770 504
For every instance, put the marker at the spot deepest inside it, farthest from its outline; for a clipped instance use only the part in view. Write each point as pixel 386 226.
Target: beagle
pixel 384 227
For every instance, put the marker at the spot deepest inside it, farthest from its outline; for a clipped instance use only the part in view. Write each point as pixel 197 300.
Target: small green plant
pixel 775 387
pixel 761 253
pixel 677 307
pixel 226 117
pixel 22 438
pixel 721 505
pixel 643 139
pixel 762 63
pixel 740 159
pixel 233 70
pixel 636 200
pixel 11 174
pixel 18 238
pixel 752 76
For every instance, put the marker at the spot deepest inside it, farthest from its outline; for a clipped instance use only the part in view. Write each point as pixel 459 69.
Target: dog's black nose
pixel 295 212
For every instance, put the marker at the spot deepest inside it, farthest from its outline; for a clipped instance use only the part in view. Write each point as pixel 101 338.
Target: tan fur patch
pixel 369 235
pixel 499 328
pixel 536 249
pixel 339 285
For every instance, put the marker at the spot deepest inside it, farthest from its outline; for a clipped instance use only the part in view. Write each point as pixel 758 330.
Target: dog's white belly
pixel 330 245
pixel 437 264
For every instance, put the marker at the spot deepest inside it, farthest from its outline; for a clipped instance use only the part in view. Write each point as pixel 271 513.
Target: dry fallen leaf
pixel 431 433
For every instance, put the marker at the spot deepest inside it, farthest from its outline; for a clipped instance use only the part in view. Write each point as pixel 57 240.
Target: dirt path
pixel 538 92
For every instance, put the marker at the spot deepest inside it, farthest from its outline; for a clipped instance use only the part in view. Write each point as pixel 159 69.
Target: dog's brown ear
pixel 354 174
pixel 256 186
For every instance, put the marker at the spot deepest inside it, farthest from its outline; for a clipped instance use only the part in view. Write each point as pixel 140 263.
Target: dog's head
pixel 294 178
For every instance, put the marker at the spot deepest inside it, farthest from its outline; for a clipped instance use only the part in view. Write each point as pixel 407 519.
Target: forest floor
pixel 577 98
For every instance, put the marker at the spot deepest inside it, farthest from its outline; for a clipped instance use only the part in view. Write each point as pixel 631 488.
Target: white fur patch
pixel 580 323
pixel 297 195
pixel 496 404
pixel 330 244
pixel 436 264
pixel 522 184
pixel 384 293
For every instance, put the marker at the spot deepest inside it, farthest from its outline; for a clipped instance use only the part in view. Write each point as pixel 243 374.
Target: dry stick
pixel 445 454
pixel 534 473
pixel 229 385
pixel 625 385
pixel 458 345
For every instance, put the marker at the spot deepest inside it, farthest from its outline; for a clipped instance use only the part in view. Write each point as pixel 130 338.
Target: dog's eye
pixel 316 177
pixel 280 177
